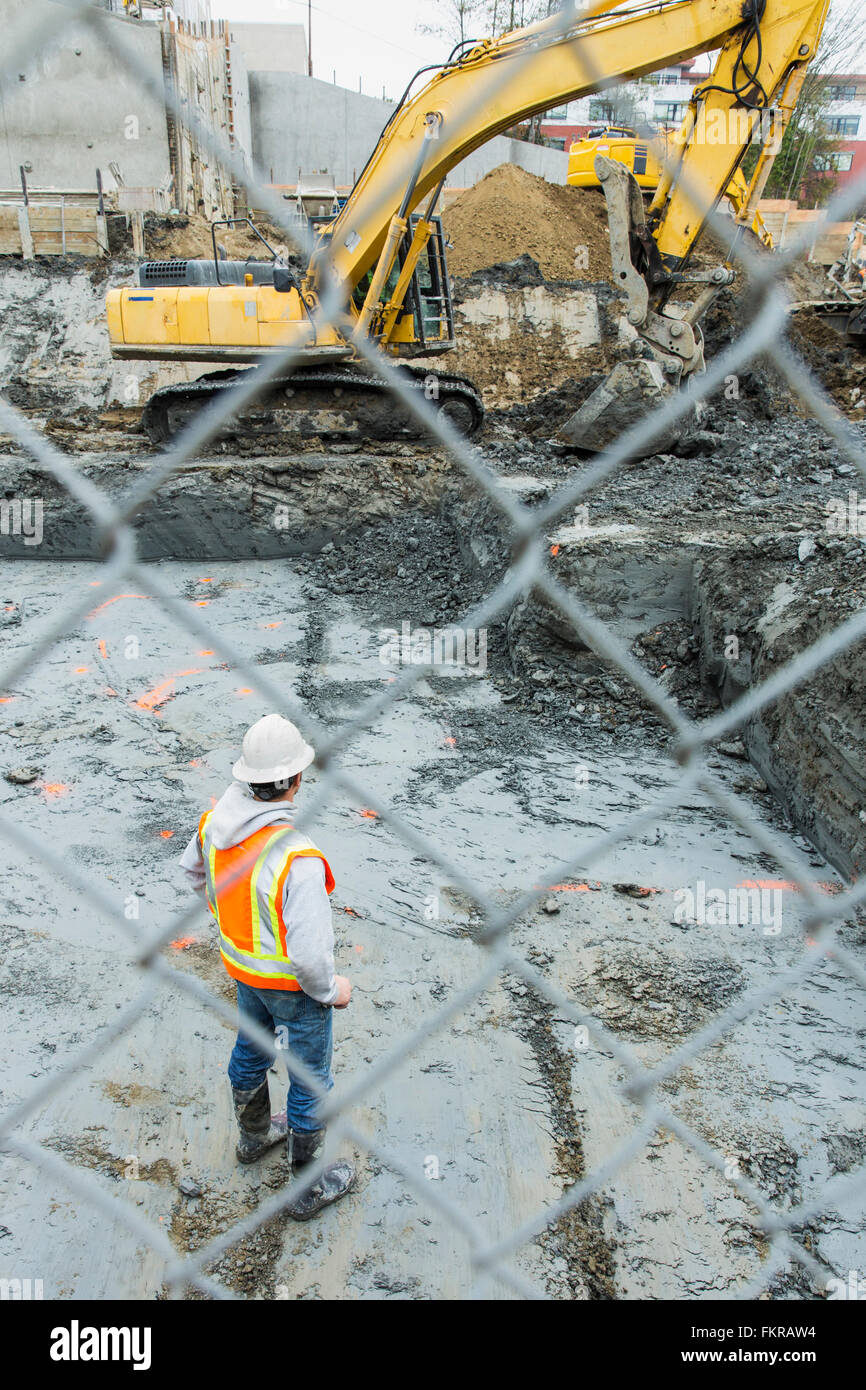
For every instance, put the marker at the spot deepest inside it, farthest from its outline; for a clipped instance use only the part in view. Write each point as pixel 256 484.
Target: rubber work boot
pixel 260 1130
pixel 304 1146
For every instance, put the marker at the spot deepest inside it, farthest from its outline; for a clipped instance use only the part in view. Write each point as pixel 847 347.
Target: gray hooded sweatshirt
pixel 306 909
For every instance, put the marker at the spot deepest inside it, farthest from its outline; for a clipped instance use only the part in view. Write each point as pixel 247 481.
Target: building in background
pixel 846 122
pixel 75 106
pixel 661 99
pixel 190 11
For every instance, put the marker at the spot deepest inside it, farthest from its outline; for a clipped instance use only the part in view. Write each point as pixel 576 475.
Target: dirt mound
pixel 839 365
pixel 511 213
pixel 189 238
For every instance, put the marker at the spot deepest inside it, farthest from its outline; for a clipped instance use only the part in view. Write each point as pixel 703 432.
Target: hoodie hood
pixel 237 815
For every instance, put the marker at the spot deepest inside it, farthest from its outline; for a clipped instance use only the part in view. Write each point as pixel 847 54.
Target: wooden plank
pixel 26 238
pixel 76 219
pixel 138 234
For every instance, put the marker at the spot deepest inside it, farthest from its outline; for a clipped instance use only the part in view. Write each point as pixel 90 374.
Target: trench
pixel 129 725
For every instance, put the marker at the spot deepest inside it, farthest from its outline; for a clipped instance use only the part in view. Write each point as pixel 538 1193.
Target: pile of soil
pixel 189 238
pixel 511 213
pixel 841 366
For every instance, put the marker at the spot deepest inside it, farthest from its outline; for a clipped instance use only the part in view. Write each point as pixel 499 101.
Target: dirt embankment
pixel 190 238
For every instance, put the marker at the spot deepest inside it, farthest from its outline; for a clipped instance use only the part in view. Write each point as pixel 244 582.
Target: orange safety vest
pixel 244 886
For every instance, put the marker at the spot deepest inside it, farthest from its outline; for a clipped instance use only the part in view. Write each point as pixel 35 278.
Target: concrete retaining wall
pixel 301 123
pixel 71 107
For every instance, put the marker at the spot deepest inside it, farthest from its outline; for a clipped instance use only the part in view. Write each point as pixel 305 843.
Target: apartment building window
pixel 557 113
pixel 843 93
pixel 846 126
pixel 838 163
pixel 671 111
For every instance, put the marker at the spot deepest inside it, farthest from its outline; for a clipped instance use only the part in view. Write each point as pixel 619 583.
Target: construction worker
pixel 267 886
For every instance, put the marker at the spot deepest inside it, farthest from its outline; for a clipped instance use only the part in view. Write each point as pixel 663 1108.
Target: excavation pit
pixel 131 720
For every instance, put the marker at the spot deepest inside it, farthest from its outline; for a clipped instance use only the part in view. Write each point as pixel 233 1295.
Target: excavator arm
pixel 501 82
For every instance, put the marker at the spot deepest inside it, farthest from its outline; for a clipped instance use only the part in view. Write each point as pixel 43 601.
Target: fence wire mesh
pixel 527 527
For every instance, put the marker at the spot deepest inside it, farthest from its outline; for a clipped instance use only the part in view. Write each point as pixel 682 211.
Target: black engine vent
pixel 173 272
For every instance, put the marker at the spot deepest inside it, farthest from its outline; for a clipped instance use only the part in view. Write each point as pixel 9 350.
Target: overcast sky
pixel 377 41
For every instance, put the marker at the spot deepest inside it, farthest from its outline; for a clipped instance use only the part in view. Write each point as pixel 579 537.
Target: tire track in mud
pixel 578 1237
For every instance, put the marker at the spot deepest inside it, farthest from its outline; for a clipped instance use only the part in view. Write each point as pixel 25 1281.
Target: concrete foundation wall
pixel 72 107
pixel 301 123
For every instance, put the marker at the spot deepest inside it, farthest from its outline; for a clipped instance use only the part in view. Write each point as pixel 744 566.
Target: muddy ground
pixel 506 1104
pixel 306 557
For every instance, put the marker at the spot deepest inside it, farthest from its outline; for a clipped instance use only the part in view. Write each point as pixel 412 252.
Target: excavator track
pixel 329 403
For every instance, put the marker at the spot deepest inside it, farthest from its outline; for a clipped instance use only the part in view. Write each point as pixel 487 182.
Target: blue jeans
pixel 301 1024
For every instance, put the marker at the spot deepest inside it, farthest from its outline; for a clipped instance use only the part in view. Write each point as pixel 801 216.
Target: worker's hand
pixel 344 992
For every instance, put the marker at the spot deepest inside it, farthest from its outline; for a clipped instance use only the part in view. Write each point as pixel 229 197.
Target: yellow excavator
pixel 645 159
pixel 385 253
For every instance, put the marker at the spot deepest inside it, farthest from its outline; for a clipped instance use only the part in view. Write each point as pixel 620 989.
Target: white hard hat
pixel 273 750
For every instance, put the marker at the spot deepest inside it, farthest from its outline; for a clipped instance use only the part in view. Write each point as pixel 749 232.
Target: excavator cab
pixel 427 324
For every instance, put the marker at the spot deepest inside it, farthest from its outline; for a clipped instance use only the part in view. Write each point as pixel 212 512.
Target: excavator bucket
pixel 631 391
pixel 667 345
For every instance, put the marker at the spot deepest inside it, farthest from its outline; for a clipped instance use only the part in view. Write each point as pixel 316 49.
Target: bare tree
pixel 456 20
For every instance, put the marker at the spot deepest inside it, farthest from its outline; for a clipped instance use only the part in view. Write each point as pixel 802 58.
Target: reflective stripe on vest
pixel 244 886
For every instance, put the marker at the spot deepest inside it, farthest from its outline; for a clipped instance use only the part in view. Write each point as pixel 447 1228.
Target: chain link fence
pixel 690 740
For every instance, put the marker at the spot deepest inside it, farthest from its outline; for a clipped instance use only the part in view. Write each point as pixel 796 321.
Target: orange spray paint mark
pixel 166 834
pixel 279 624
pixel 53 789
pixel 108 602
pixel 769 883
pixel 452 742
pixel 567 887
pixel 245 690
pixel 369 815
pixel 183 942
pixel 206 652
pixel 109 691
pixel 554 550
pixel 10 608
pixel 209 580
pixel 6 699
pixel 80 670
pixel 103 650
pixel 164 691
pixel 202 602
